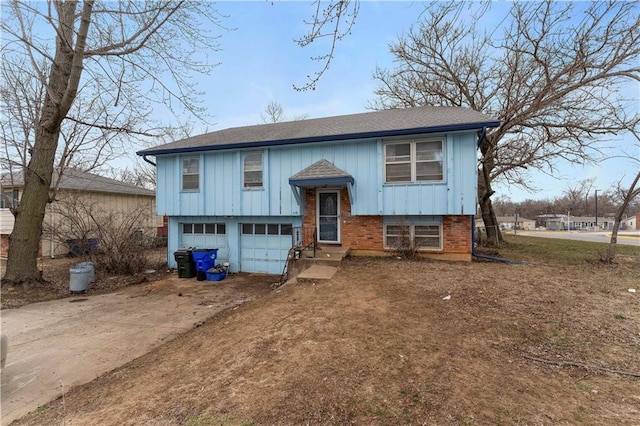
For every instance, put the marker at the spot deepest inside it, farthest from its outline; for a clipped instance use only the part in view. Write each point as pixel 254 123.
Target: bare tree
pixel 84 145
pixel 99 65
pixel 554 74
pixel 627 196
pixel 332 21
pixel 274 113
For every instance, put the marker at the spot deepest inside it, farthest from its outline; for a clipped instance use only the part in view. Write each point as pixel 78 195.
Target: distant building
pixel 631 223
pixel 79 187
pixel 563 222
pixel 507 223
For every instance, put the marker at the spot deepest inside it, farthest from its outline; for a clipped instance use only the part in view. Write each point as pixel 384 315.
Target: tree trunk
pixel 490 220
pixel 485 191
pixel 611 253
pixel 24 240
pixel 627 197
pixel 62 88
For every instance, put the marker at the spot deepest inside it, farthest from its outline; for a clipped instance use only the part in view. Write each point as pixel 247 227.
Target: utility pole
pixel 596 209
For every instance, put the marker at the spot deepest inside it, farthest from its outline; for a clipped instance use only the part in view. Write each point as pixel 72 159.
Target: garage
pixel 264 247
pixel 206 235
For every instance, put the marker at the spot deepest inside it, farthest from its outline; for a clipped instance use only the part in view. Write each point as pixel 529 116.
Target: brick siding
pixel 365 233
pixel 456 234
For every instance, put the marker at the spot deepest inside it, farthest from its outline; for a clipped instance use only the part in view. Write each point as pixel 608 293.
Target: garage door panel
pixel 193 235
pixel 263 252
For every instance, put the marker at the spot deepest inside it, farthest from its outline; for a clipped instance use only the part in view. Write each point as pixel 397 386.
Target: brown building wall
pixel 364 234
pixel 456 234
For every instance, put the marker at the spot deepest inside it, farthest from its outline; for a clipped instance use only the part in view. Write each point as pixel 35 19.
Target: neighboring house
pixel 508 223
pixel 631 223
pixel 580 223
pixel 363 181
pixel 85 189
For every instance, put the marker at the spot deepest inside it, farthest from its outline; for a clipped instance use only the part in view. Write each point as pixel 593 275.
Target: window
pixel 9 198
pixel 426 236
pixel 252 169
pixel 269 229
pixel 421 237
pixel 190 174
pixel 414 161
pixel 204 228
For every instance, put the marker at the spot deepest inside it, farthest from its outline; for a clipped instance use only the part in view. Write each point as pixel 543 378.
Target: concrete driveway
pixel 63 343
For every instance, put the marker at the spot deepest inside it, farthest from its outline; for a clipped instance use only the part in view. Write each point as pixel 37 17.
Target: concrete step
pixel 316 273
pixel 326 252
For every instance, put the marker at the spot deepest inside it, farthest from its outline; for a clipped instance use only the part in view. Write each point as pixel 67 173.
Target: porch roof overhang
pixel 321 174
pixel 322 181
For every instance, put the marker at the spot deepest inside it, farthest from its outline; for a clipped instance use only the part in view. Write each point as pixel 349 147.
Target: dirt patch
pixel 379 344
pixel 56 274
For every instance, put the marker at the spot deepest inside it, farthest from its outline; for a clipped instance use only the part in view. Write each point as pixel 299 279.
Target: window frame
pixel 247 184
pixel 412 235
pixel 9 198
pixel 413 161
pixel 264 229
pixel 186 173
pixel 219 228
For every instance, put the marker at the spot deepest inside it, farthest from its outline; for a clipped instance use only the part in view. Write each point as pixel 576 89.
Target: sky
pixel 261 63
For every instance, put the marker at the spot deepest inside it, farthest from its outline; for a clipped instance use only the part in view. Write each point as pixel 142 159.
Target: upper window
pixel 414 161
pixel 9 198
pixel 190 174
pixel 252 168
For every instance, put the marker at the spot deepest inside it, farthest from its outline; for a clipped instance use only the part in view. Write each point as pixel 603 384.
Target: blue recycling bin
pixel 205 259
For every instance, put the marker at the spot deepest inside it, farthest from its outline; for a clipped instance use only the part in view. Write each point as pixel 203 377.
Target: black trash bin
pixel 186 265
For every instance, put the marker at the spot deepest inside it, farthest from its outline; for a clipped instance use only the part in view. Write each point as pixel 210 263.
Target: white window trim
pixel 413 161
pixel 183 174
pixel 244 185
pixel 412 235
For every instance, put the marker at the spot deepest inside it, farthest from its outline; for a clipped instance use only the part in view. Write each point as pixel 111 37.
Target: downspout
pixel 52 247
pixel 473 225
pixel 482 136
pixel 144 157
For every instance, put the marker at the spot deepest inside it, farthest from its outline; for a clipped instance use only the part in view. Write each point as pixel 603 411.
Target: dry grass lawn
pixel 552 341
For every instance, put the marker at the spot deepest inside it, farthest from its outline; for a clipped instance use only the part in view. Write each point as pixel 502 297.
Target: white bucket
pixel 79 277
pixel 92 275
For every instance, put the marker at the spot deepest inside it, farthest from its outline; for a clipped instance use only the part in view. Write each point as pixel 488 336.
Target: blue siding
pixel 221 192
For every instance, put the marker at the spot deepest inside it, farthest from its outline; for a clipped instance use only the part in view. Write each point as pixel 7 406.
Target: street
pixel 629 238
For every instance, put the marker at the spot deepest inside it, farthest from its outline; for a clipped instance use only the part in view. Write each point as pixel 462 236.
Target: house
pixel 631 223
pixel 560 222
pixel 368 182
pixel 508 223
pixel 76 189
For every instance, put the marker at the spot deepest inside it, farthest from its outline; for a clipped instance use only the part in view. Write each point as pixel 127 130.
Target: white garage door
pixel 206 235
pixel 264 247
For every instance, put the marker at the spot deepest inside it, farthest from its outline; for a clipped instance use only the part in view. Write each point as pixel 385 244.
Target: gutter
pixel 322 138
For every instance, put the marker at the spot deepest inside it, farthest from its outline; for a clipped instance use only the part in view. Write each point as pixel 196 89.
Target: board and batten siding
pixel 221 192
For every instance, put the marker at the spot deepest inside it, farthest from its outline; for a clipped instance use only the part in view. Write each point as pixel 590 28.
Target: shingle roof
pixel 320 171
pixel 74 179
pixel 383 123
